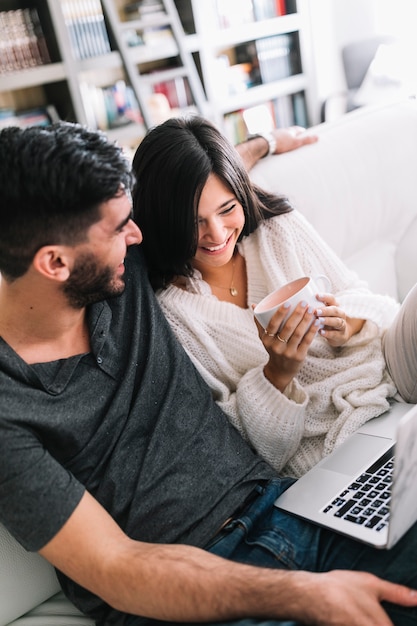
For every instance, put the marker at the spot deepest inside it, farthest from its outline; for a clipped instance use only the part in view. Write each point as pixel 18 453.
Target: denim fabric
pixel 263 535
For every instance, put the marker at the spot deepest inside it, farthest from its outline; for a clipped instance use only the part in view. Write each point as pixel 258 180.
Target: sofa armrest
pixel 26 579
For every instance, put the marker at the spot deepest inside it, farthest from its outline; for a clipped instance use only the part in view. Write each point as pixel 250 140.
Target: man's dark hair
pixel 52 182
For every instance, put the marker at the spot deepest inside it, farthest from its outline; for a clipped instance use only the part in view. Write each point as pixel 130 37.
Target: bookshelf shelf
pixel 255 30
pixel 149 53
pixel 155 21
pixel 107 61
pixel 263 93
pixel 33 76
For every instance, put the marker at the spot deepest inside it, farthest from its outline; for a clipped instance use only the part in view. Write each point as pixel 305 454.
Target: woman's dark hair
pixel 52 182
pixel 171 167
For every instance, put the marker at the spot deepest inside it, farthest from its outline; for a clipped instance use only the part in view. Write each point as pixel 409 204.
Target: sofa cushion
pixel 26 579
pixel 57 611
pixel 375 263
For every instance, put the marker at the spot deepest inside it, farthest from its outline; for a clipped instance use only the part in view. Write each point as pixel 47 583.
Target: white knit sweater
pixel 336 390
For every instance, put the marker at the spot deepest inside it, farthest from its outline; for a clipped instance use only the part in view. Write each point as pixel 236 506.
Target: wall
pixel 337 22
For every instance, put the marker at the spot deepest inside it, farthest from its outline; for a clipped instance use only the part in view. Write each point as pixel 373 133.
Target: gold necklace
pixel 231 289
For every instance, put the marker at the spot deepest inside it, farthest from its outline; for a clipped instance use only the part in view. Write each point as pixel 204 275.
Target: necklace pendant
pixel 233 292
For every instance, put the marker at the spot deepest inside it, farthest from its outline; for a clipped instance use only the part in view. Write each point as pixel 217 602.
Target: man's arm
pixel 286 139
pixel 183 583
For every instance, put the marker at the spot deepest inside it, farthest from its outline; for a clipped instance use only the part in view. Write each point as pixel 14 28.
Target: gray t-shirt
pixel 132 422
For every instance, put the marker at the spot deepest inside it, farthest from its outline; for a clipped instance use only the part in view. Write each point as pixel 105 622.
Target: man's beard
pixel 89 282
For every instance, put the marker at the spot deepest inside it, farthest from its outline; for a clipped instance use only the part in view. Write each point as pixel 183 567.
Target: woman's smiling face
pixel 220 222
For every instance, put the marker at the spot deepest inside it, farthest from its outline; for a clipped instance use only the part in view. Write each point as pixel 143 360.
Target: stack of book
pixel 111 106
pixel 22 42
pixel 86 27
pixel 274 57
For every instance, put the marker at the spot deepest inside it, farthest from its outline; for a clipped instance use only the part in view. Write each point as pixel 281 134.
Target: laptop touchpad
pixel 359 452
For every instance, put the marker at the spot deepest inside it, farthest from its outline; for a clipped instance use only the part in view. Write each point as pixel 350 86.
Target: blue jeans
pixel 265 536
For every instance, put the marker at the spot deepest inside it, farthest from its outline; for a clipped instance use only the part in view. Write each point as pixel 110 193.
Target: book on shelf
pixel 264 9
pixel 86 27
pixel 111 106
pixel 234 127
pixel 274 57
pixel 231 13
pixel 267 9
pixel 280 7
pixel 22 42
pixel 290 6
pixel 283 111
pixel 36 116
pixel 300 109
pixel 246 56
pixel 177 91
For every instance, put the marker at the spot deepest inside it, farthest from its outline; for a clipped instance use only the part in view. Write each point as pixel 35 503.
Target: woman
pixel 216 245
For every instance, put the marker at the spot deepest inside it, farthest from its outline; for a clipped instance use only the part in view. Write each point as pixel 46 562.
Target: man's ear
pixel 53 262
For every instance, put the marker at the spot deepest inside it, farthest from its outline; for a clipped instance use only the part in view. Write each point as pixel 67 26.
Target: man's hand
pixel 292 138
pixel 344 598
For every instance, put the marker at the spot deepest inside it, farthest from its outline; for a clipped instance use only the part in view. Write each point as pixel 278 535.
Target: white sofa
pixel 358 186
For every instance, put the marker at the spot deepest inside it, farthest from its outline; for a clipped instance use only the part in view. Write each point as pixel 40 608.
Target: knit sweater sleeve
pixel 289 247
pixel 222 341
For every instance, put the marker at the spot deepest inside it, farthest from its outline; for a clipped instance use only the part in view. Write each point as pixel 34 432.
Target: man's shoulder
pixel 135 260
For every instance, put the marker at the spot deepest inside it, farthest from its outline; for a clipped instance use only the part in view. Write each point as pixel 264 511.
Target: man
pixel 115 463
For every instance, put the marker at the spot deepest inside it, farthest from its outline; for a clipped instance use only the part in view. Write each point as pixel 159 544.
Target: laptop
pixel 361 489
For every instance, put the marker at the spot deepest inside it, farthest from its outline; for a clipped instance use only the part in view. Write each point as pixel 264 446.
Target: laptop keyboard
pixel 366 500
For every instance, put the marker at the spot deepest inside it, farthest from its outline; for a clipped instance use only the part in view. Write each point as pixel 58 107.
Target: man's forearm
pixel 180 583
pixel 201 587
pixel 252 151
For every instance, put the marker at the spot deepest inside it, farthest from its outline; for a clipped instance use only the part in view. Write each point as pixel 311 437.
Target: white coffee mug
pixel 296 291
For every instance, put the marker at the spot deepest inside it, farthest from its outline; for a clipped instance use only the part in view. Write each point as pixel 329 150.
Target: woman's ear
pixel 53 262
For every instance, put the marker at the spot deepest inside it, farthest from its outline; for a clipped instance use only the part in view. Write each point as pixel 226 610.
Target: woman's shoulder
pixel 276 224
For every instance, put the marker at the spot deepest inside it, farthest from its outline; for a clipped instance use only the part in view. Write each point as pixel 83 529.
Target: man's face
pixel 98 267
